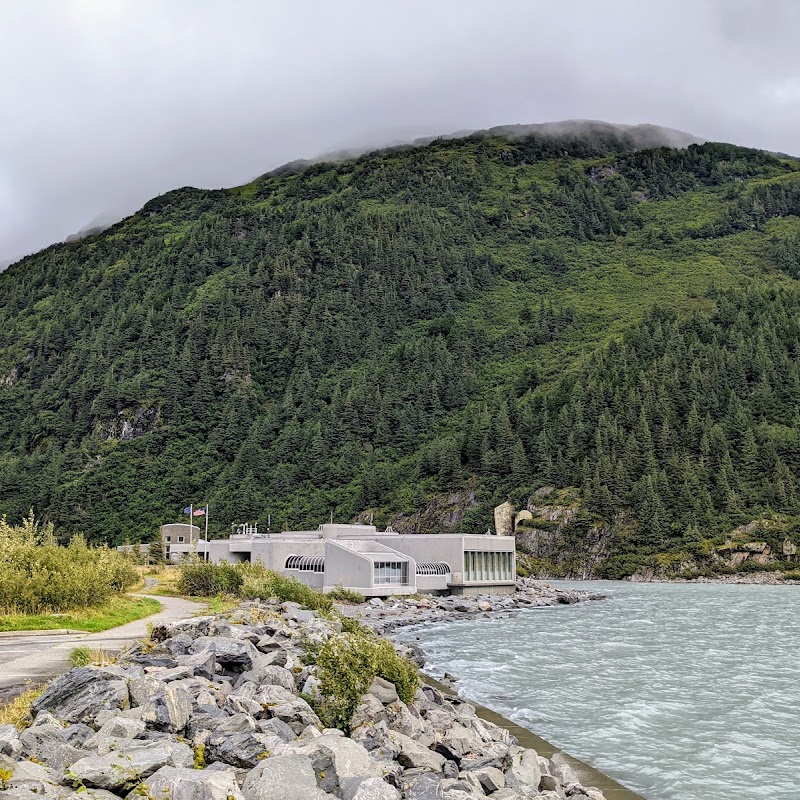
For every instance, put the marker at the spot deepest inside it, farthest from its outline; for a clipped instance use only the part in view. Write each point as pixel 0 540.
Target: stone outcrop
pixel 504 519
pixel 550 528
pixel 223 695
pixel 443 512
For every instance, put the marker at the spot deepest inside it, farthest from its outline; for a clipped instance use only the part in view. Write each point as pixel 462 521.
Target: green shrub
pixel 347 663
pixel 346 595
pixel 263 583
pixel 250 582
pixel 80 657
pixel 37 575
pixel 204 579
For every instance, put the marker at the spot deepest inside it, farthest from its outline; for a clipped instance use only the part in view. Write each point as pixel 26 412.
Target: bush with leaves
pixel 250 582
pixel 347 663
pixel 37 575
pixel 204 579
pixel 346 595
pixel 262 583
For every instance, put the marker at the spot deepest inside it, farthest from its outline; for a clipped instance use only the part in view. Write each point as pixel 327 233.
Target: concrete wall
pixel 348 567
pixel 432 583
pixel 190 533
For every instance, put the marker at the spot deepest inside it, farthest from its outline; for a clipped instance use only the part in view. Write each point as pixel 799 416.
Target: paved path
pixel 33 659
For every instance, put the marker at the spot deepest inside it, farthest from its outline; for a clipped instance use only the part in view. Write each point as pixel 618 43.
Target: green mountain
pixel 417 335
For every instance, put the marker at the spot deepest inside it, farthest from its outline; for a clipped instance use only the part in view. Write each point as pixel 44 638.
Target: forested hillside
pixel 448 325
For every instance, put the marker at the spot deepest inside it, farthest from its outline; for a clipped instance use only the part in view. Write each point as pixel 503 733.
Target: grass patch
pixel 117 611
pixel 18 711
pixel 80 657
pixel 221 603
pixel 167 578
pixel 83 657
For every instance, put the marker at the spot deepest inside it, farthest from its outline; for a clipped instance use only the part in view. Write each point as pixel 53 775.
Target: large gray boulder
pixel 118 768
pixel 260 669
pixel 169 710
pixel 116 728
pixel 524 774
pixel 491 779
pixel 369 712
pixel 202 663
pixel 296 713
pixel 243 749
pixel 189 784
pixel 277 727
pixel 412 755
pixel 193 627
pixel 80 694
pixel 337 760
pixel 401 719
pixel 561 768
pixel 230 653
pixel 383 690
pixel 369 789
pixel 142 689
pixel 61 756
pixel 26 775
pixel 10 744
pixel 462 741
pixel 37 742
pixel 276 676
pixel 423 786
pixel 287 777
pixel 236 723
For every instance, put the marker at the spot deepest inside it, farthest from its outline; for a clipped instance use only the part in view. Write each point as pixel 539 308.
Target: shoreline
pixel 228 703
pixel 537 595
pixel 765 578
pixel 403 611
pixel 589 775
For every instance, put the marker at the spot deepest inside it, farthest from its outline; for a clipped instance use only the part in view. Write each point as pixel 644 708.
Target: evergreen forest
pixel 420 329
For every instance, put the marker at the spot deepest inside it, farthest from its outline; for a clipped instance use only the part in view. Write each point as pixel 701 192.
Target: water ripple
pixel 678 691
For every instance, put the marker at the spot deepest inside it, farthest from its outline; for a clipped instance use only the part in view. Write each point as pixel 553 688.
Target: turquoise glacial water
pixel 678 691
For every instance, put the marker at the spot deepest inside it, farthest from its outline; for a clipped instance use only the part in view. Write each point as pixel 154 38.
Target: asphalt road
pixel 27 659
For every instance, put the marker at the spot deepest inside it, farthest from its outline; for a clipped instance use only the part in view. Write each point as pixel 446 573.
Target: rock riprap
pixel 224 708
pixel 385 616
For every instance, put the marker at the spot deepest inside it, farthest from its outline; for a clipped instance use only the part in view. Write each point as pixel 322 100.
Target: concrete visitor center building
pixel 364 559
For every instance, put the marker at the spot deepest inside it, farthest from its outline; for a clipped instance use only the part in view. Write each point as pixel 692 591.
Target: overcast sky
pixel 106 103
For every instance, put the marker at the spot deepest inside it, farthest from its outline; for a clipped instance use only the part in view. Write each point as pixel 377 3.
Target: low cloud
pixel 113 103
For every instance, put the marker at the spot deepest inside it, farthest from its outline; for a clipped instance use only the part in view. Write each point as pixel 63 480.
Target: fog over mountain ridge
pixel 642 135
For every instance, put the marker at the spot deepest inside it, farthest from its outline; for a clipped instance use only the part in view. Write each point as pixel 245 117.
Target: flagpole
pixel 205 555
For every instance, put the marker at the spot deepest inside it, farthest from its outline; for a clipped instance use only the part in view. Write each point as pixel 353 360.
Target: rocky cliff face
pixel 556 535
pixel 443 513
pixel 128 425
pixel 760 551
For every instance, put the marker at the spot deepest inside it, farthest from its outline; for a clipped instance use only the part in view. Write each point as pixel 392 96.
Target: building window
pixel 169 538
pixel 390 572
pixel 433 568
pixel 306 563
pixel 180 539
pixel 480 565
